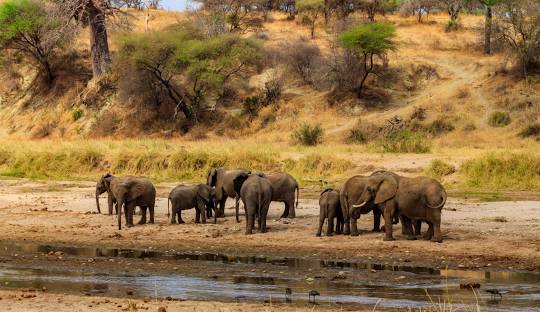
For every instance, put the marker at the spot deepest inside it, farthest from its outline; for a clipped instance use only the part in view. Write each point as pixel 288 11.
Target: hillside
pixel 444 73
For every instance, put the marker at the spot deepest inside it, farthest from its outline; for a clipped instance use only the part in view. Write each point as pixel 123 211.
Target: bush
pixel 499 119
pixel 404 141
pixel 509 171
pixel 308 134
pixel 531 130
pixel 251 106
pixel 438 169
pixel 362 132
pixel 272 89
pixel 77 114
pixel 440 126
pixel 451 26
pixel 303 58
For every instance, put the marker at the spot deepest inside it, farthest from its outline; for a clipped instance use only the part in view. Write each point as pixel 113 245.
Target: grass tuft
pixel 438 169
pixel 309 135
pixel 404 141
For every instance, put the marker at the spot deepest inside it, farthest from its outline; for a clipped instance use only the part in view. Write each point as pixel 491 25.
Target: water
pixel 259 279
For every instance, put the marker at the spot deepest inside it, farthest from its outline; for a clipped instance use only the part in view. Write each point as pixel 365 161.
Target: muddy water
pixel 218 277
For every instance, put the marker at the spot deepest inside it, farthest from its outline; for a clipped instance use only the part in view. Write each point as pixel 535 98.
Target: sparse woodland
pixel 100 68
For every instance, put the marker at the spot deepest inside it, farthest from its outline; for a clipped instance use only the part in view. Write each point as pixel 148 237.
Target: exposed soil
pixel 503 235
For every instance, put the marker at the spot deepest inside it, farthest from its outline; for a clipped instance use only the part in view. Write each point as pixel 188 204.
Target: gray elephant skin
pixel 130 192
pixel 414 199
pixel 201 197
pixel 330 209
pixel 350 195
pixel 256 194
pixel 222 180
pixel 284 187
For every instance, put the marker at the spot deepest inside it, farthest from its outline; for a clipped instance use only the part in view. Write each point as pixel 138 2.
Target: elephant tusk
pixel 360 205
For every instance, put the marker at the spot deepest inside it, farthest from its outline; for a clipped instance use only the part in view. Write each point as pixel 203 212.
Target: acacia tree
pixel 311 10
pixel 32 28
pixel 453 7
pixel 366 42
pixel 92 13
pixel 488 5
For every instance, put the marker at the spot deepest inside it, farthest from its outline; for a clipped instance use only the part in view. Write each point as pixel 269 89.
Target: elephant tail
pixel 343 200
pixel 439 206
pixel 168 204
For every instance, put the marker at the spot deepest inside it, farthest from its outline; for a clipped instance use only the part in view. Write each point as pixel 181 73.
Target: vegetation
pixel 403 141
pixel 30 28
pixel 499 119
pixel 508 171
pixel 311 10
pixel 366 42
pixel 439 169
pixel 309 135
pixel 531 130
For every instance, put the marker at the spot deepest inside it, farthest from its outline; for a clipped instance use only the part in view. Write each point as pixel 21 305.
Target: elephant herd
pixel 256 190
pixel 386 194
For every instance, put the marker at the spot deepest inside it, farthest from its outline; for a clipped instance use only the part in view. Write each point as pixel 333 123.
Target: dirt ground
pixel 42 301
pixel 503 235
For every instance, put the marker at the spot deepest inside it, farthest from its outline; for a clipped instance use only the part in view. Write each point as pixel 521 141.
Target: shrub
pixel 509 171
pixel 251 106
pixel 77 114
pixel 272 89
pixel 308 134
pixel 310 10
pixel 404 141
pixel 531 130
pixel 362 132
pixel 303 58
pixel 440 126
pixel 451 25
pixel 438 169
pixel 499 119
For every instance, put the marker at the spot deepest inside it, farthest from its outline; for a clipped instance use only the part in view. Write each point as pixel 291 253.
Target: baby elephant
pixel 201 197
pixel 330 209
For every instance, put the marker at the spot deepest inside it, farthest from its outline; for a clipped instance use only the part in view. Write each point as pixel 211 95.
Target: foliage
pixel 509 171
pixel 31 28
pixel 303 59
pixel 251 106
pixel 311 10
pixel 438 169
pixel 309 135
pixel 499 119
pixel 531 130
pixel 186 66
pixel 404 141
pixel 365 42
pixel 77 114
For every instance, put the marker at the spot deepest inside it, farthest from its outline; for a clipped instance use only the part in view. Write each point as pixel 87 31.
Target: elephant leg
pixel 250 223
pixel 406 227
pixel 376 220
pixel 292 208
pixel 197 215
pixel 221 210
pixel 143 215
pixel 285 213
pixel 180 221
pixel 354 226
pixel 388 218
pixel 152 209
pixel 130 208
pixel 339 225
pixel 346 226
pixel 437 235
pixel 173 216
pixel 417 227
pixel 262 220
pixel 321 223
pixel 110 203
pixel 330 224
pixel 429 233
pixel 237 208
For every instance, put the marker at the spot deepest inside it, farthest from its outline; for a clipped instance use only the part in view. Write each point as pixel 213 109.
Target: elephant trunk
pixel 120 203
pixel 97 202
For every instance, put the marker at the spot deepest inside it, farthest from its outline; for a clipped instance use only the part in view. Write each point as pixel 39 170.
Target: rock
pixel 168 298
pixel 58 253
pixel 373 271
pixel 309 279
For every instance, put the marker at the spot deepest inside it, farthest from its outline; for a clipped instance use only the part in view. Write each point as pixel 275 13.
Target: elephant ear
pixel 387 190
pixel 211 179
pixel 203 192
pixel 108 178
pixel 239 181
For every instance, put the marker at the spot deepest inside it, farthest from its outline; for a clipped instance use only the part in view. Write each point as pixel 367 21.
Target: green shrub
pixel 451 26
pixel 440 126
pixel 77 114
pixel 531 130
pixel 356 136
pixel 251 106
pixel 438 169
pixel 404 141
pixel 509 171
pixel 308 134
pixel 499 119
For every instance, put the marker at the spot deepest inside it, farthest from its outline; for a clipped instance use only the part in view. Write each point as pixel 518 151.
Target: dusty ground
pixel 43 301
pixel 476 234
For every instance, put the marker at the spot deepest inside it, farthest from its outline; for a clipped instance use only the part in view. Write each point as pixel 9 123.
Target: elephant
pixel 222 180
pixel 329 203
pixel 284 187
pixel 415 199
pixel 201 197
pixel 130 192
pixel 350 196
pixel 256 194
pixel 102 187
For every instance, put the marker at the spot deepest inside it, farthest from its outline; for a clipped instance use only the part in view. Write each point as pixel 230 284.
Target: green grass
pixel 404 141
pixel 482 196
pixel 502 171
pixel 438 169
pixel 158 159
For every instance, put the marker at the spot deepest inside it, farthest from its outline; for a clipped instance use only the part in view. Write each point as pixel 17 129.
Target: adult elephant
pixel 350 196
pixel 222 180
pixel 130 192
pixel 200 197
pixel 415 199
pixel 284 187
pixel 256 194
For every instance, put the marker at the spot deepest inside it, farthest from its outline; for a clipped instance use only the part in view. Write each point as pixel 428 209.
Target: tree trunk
pixel 101 59
pixel 487 30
